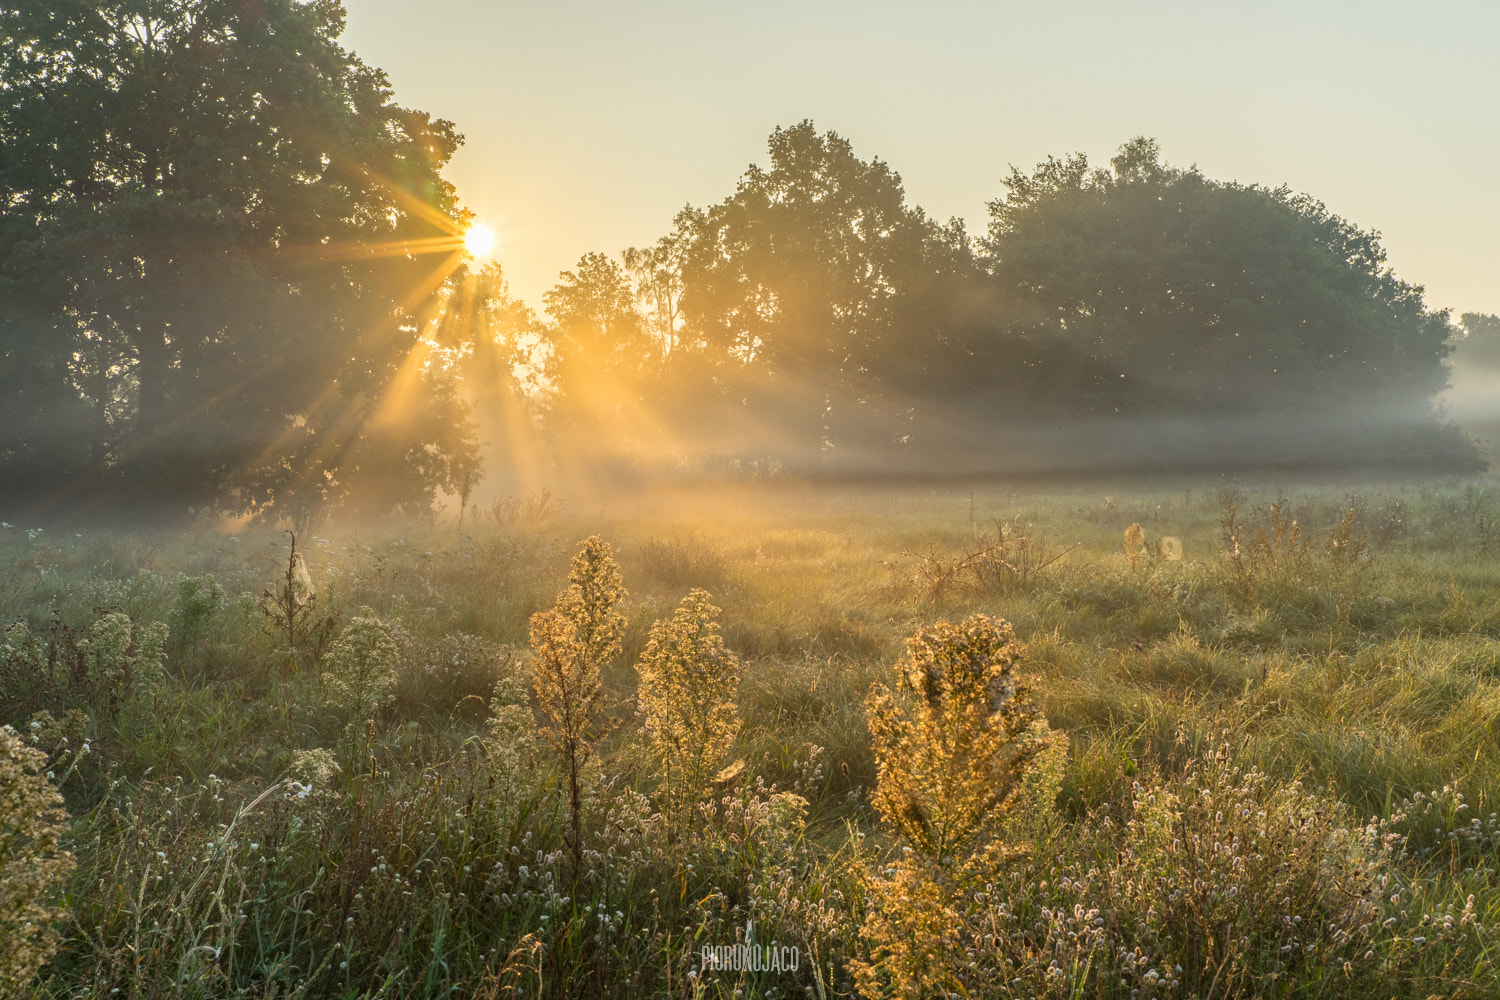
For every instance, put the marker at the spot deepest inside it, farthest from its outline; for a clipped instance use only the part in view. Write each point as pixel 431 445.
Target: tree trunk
pixel 151 381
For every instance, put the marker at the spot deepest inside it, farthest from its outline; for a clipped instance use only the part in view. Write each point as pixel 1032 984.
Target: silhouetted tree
pixel 798 279
pixel 1480 343
pixel 211 219
pixel 1153 291
pixel 1177 293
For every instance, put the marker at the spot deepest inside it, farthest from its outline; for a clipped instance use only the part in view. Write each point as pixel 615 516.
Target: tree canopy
pixel 217 236
pixel 1135 314
pixel 231 278
pixel 1179 294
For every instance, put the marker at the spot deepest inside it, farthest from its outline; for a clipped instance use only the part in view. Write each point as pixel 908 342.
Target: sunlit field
pixel 1271 769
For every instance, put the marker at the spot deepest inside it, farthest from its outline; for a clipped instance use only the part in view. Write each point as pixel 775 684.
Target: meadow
pixel 1268 766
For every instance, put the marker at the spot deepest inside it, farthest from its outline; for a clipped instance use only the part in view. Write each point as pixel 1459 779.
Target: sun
pixel 479 241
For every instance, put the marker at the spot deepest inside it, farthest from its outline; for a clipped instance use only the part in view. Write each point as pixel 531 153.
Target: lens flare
pixel 479 241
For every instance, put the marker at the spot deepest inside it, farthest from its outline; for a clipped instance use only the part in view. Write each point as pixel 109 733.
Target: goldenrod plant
pixel 950 743
pixel 567 686
pixel 571 644
pixel 954 746
pixel 592 600
pixel 689 680
pixel 32 862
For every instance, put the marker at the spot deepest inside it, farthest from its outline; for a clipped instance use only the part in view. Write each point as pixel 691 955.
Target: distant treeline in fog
pixel 238 285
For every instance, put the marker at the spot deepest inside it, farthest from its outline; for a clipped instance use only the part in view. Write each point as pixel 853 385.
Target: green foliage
pixel 32 862
pixel 187 190
pixel 687 696
pixel 227 846
pixel 1481 339
pixel 599 349
pixel 112 665
pixel 194 613
pixel 796 289
pixel 1137 261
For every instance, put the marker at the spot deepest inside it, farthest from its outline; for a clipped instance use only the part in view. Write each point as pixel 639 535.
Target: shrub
pixel 687 695
pixel 32 863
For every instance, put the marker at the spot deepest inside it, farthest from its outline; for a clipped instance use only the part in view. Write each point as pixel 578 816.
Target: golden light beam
pixel 326 401
pixel 356 250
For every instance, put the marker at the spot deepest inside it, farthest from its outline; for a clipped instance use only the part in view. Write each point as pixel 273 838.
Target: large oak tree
pixel 216 239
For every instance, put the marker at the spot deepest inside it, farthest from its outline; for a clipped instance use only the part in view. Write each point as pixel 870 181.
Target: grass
pixel 428 858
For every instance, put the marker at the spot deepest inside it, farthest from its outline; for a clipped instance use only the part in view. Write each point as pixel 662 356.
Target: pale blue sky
pixel 590 123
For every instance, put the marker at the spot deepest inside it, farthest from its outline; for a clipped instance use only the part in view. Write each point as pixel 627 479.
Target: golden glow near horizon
pixel 479 241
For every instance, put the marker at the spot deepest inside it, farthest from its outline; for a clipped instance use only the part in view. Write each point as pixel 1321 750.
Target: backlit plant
pixel 687 695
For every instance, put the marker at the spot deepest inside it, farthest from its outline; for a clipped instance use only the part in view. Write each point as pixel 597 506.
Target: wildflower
pixel 571 643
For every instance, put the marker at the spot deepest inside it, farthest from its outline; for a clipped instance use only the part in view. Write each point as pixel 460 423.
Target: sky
pixel 589 124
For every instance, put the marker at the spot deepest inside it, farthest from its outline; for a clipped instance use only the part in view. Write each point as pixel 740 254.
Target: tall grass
pixel 237 835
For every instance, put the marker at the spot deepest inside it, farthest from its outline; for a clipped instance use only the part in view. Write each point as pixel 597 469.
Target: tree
pixel 215 231
pixel 657 273
pixel 1481 339
pixel 797 278
pixel 494 344
pixel 1180 293
pixel 599 355
pixel 1152 291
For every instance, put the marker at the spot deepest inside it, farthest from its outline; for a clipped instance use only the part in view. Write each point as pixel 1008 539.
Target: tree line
pixel 232 279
